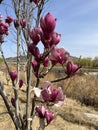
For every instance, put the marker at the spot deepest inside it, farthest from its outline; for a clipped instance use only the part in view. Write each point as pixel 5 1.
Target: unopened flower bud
pixel 9 20
pixel 13 101
pixel 34 65
pixel 13 75
pixel 23 23
pixel 34 50
pixel 46 61
pixel 48 23
pixel 16 23
pixel 20 83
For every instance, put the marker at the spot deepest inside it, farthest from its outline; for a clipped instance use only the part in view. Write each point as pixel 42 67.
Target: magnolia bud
pixel 9 20
pixel 13 101
pixel 13 75
pixel 46 61
pixel 23 23
pixel 20 83
pixel 48 23
pixel 16 23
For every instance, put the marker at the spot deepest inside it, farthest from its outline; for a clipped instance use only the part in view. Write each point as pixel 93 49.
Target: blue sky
pixel 77 21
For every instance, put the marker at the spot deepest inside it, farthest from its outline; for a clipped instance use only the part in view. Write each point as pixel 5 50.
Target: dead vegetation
pixel 71 115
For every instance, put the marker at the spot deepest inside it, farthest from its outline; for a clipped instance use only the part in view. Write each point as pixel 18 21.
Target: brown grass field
pixel 71 116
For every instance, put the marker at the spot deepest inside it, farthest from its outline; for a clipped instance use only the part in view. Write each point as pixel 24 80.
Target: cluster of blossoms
pixel 21 22
pixel 44 113
pixel 4 27
pixel 13 76
pixel 46 34
pixel 49 38
pixel 48 94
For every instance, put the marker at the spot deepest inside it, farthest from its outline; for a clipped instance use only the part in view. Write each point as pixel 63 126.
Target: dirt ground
pixel 68 117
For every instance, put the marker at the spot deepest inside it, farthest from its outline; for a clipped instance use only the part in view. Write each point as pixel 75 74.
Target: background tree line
pixel 88 62
pixel 84 62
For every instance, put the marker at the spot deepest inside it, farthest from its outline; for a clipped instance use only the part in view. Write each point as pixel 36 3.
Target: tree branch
pixel 9 107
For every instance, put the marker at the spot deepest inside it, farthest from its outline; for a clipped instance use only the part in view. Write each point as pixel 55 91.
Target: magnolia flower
pixel 9 20
pixel 35 34
pixel 13 75
pixel 34 50
pixel 71 68
pixel 45 113
pixel 51 94
pixel 34 65
pixel 23 23
pixel 16 23
pixel 48 23
pixel 58 55
pixel 41 111
pixel 37 91
pixel 50 40
pixel 3 28
pixel 55 38
pixel 20 83
pixel 46 62
pixel 49 116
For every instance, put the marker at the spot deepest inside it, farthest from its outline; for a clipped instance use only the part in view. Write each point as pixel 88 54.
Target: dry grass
pixel 71 115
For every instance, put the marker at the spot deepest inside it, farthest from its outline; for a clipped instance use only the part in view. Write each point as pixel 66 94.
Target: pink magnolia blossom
pixel 13 75
pixel 49 116
pixel 45 113
pixel 3 28
pixel 58 55
pixel 16 23
pixel 46 62
pixel 71 68
pixel 35 34
pixel 20 83
pixel 51 94
pixel 9 20
pixel 55 39
pixel 34 65
pixel 48 23
pixel 23 23
pixel 51 39
pixel 41 111
pixel 34 50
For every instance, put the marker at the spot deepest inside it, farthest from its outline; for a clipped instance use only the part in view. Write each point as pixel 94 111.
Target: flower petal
pixel 37 91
